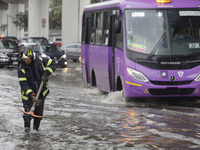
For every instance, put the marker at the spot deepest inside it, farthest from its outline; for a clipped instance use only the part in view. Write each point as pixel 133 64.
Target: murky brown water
pixel 79 117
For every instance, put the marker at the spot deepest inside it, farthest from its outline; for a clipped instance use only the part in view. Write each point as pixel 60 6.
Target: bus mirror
pixel 117 26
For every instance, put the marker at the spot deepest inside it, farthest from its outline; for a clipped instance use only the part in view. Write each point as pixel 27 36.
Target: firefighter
pixel 31 72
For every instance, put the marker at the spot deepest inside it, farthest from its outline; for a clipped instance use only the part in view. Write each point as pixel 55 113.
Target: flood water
pixel 80 117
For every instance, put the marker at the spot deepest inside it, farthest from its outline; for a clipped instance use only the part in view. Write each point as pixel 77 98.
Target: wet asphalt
pixel 80 117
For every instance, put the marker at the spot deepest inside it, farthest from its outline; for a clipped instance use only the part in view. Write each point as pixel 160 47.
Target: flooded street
pixel 80 117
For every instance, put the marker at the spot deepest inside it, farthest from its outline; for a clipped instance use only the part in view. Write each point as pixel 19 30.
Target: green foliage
pixel 55 14
pixel 21 20
pixel 3 27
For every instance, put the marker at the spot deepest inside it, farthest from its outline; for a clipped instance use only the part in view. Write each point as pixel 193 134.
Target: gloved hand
pixel 38 102
pixel 33 97
pixel 44 78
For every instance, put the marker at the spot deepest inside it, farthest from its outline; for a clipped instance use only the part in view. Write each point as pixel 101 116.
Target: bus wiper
pixel 156 46
pixel 191 28
pixel 192 36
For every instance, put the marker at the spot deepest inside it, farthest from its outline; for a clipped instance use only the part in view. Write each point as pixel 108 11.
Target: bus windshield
pixel 163 32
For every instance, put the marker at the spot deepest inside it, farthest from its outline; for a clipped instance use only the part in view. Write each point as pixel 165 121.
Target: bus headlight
pixel 137 75
pixel 197 78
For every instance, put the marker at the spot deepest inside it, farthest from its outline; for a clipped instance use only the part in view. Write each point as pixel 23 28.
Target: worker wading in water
pixel 31 72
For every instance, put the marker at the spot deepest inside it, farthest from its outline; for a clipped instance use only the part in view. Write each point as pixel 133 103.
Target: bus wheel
pixel 119 84
pixel 93 79
pixel 120 88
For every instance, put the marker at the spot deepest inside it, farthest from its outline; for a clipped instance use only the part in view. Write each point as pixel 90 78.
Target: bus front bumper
pixel 150 90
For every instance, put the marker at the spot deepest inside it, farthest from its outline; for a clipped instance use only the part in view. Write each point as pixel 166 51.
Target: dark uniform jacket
pixel 26 78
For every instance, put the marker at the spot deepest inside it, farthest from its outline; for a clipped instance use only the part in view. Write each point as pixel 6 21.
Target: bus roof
pixel 123 4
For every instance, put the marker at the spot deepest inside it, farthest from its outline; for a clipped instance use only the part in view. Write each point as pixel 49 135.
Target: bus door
pixel 115 26
pixel 88 27
pixel 112 42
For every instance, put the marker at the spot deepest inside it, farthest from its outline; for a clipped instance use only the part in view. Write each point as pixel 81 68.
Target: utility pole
pixel 1 15
pixel 17 19
pixel 7 23
pixel 78 19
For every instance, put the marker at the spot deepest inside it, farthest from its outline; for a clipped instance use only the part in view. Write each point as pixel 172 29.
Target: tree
pixel 3 27
pixel 55 14
pixel 20 21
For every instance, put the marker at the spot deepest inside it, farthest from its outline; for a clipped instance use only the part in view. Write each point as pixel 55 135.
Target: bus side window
pixel 119 37
pixel 84 29
pixel 92 36
pixel 106 25
pixel 99 25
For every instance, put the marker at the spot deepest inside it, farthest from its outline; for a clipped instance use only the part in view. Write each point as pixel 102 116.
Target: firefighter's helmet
pixel 25 53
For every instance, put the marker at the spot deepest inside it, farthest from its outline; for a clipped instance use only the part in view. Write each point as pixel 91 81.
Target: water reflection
pixel 159 127
pixel 81 117
pixel 65 70
pixel 132 131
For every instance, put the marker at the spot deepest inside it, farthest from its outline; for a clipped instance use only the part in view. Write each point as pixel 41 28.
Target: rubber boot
pixel 26 129
pixel 27 118
pixel 36 123
pixel 27 126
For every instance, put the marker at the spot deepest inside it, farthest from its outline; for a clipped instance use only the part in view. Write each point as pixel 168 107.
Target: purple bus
pixel 147 48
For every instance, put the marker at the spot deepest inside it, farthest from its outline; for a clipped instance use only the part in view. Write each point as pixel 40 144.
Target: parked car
pixel 32 45
pixel 57 40
pixel 21 45
pixel 4 60
pixel 24 40
pixel 37 40
pixel 73 51
pixel 53 51
pixel 9 53
pixel 13 38
pixel 15 43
